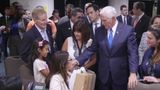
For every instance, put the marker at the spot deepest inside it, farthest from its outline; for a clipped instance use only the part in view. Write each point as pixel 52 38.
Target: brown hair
pixel 156 32
pixel 82 27
pixel 58 65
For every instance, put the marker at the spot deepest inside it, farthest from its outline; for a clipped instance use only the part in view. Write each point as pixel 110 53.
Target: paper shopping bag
pixel 85 81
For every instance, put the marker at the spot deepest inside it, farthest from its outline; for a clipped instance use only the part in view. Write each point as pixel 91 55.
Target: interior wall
pixel 117 4
pixel 30 4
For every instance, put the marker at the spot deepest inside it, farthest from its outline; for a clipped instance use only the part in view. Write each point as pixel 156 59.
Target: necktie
pixel 95 27
pixel 124 21
pixel 110 38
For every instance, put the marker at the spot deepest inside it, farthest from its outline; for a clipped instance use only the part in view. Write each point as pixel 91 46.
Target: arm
pixel 45 72
pixel 142 47
pixel 65 45
pixel 133 59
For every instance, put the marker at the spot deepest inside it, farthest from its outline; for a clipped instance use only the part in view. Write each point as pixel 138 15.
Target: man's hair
pixel 122 6
pixel 36 12
pixel 108 11
pixel 95 7
pixel 140 5
pixel 75 11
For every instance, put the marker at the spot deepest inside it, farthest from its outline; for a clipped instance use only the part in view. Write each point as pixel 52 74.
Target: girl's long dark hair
pixel 38 43
pixel 58 66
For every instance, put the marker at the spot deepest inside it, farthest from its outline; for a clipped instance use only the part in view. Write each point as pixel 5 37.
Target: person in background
pixel 124 17
pixel 17 29
pixel 65 29
pixel 49 22
pixel 5 21
pixel 39 30
pixel 55 16
pixel 150 66
pixel 154 23
pixel 93 14
pixel 60 69
pixel 140 20
pixel 117 53
pixel 78 42
pixel 38 65
pixel 68 9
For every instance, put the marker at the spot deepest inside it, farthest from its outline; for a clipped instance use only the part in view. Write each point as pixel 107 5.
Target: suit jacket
pixel 129 19
pixel 29 37
pixel 121 59
pixel 141 26
pixel 64 31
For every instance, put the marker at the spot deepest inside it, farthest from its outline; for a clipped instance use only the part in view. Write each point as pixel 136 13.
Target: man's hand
pixel 151 79
pixel 132 81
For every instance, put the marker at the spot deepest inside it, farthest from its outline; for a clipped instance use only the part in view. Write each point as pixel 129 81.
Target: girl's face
pixel 44 51
pixel 151 40
pixel 70 65
pixel 78 35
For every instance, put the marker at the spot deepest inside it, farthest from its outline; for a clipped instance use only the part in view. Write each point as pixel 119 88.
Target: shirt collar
pixel 115 27
pixel 40 30
pixel 140 16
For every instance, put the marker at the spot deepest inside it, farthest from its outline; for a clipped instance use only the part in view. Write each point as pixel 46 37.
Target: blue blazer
pixel 120 60
pixel 145 65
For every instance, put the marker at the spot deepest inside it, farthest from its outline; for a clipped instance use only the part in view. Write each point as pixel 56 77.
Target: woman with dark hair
pixel 154 23
pixel 59 71
pixel 79 41
pixel 150 66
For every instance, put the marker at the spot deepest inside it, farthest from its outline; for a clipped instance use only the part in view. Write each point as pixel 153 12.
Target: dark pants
pixel 4 44
pixel 110 85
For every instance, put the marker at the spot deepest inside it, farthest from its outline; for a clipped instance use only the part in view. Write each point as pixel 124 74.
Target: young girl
pixel 59 71
pixel 40 68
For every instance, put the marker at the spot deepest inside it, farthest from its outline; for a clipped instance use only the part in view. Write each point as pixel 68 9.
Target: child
pixel 59 71
pixel 40 51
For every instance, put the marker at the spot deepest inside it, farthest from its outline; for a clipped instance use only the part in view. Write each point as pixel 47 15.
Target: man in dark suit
pixel 115 44
pixel 124 17
pixel 140 21
pixel 65 29
pixel 39 31
pixel 92 12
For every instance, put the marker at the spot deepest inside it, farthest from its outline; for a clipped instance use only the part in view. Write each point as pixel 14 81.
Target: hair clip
pixel 40 43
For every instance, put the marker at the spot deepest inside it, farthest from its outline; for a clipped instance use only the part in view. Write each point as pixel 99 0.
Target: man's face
pixel 135 10
pixel 92 14
pixel 41 22
pixel 124 11
pixel 77 17
pixel 107 22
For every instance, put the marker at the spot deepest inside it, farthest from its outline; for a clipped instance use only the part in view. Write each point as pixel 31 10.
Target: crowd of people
pixel 120 49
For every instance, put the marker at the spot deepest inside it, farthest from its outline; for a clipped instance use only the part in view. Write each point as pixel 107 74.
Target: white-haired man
pixel 116 47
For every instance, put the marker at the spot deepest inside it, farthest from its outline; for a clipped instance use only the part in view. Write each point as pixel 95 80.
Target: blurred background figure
pixel 124 17
pixel 55 16
pixel 68 10
pixel 140 20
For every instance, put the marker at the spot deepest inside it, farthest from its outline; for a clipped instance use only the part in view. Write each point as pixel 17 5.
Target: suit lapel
pixel 116 38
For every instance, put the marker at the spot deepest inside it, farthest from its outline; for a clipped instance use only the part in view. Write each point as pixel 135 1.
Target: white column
pixel 117 4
